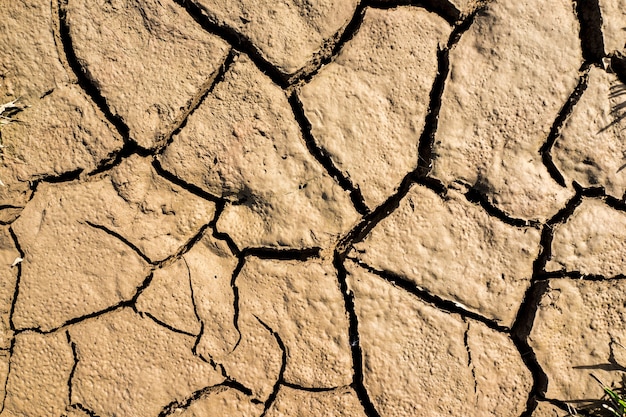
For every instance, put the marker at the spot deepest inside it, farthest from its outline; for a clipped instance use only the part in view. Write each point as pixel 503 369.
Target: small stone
pixel 591 149
pixel 415 361
pixel 592 241
pixel 131 366
pixel 510 74
pixel 288 34
pixel 252 154
pixel 576 327
pixel 367 107
pixel 41 366
pixel 153 63
pixel 455 250
pixel 340 402
pixel 302 303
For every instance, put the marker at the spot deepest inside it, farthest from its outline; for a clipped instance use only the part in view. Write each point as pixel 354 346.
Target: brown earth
pixel 311 208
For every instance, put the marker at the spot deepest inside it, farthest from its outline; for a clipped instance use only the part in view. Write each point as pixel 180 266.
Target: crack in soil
pixel 445 9
pixel 519 334
pixel 164 324
pixel 10 355
pixel 18 278
pixel 81 407
pixel 423 295
pixel 272 397
pixel 205 90
pixel 128 303
pixel 324 158
pixel 192 188
pixel 591 37
pixel 592 43
pixel 84 78
pixel 312 389
pixel 176 406
pixel 557 126
pixel 475 196
pixel 353 337
pixel 524 321
pixel 469 357
pixel 234 38
pixel 125 241
pixel 73 370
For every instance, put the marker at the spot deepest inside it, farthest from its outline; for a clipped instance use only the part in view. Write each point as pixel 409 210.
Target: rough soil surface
pixel 371 208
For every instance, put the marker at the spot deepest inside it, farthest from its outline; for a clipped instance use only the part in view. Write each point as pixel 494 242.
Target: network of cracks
pixel 237 243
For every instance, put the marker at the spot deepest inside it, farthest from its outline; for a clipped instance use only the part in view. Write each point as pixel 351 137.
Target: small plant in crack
pixel 614 401
pixel 618 67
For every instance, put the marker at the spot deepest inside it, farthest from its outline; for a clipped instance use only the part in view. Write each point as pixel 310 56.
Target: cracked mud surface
pixel 323 208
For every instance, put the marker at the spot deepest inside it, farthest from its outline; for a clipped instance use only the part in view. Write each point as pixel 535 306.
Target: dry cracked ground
pixel 311 208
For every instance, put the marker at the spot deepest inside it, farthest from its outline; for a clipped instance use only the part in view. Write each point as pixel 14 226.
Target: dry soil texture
pixel 354 208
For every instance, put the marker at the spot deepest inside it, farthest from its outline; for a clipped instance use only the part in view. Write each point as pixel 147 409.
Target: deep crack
pixel 235 39
pixel 208 87
pixel 425 146
pixel 192 188
pixel 85 80
pixel 165 325
pixel 310 389
pixel 176 406
pixel 519 334
pixel 220 206
pixel 81 407
pixel 445 9
pixel 475 196
pixel 559 122
pixel 429 298
pixel 591 38
pixel 283 254
pixel 353 336
pixel 324 158
pixel 18 278
pixel 524 321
